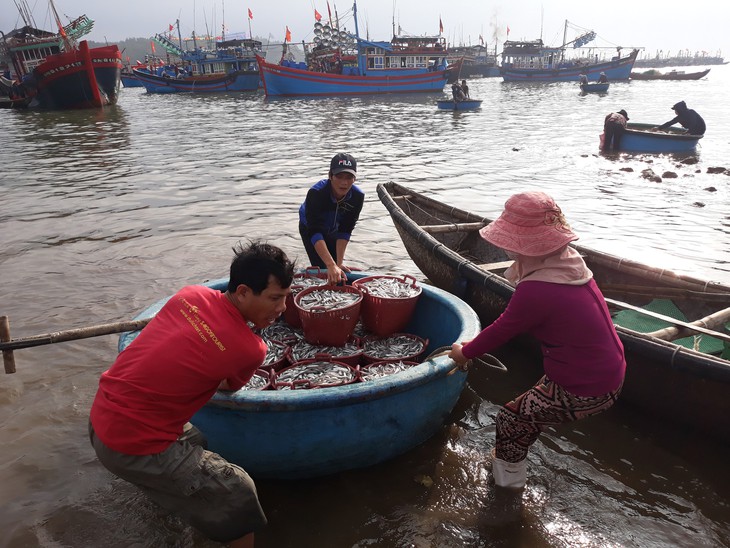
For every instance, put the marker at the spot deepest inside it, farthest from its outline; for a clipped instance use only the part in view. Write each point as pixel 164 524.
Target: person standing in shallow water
pixel 614 126
pixel 556 301
pixel 138 424
pixel 328 216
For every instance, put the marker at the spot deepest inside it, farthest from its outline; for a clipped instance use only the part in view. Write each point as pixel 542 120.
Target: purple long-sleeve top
pixel 580 348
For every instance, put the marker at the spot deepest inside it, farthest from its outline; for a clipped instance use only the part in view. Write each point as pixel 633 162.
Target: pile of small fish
pixel 390 288
pixel 303 350
pixel 377 370
pixel 396 347
pixel 303 282
pixel 275 351
pixel 257 382
pixel 327 300
pixel 281 331
pixel 314 374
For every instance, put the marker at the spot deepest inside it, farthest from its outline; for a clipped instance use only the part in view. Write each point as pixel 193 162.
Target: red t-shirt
pixel 172 369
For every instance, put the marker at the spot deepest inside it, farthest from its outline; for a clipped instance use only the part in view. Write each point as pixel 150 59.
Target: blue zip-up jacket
pixel 325 218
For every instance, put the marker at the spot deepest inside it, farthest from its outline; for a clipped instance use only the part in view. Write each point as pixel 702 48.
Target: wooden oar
pixel 8 345
pixel 669 319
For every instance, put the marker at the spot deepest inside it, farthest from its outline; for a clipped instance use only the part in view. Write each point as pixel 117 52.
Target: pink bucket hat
pixel 531 224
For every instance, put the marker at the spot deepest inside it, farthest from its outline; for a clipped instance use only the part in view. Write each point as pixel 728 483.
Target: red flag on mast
pixel 441 26
pixel 507 30
pixel 329 11
pixel 317 15
pixel 287 37
pixel 250 14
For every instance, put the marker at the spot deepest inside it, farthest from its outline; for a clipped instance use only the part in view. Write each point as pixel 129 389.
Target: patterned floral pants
pixel 520 422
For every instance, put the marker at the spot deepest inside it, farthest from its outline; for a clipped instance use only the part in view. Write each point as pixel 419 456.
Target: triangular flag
pixel 287 37
pixel 507 30
pixel 171 27
pixel 152 45
pixel 250 14
pixel 317 15
pixel 441 26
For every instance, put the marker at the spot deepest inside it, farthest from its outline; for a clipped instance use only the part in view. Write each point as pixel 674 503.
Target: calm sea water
pixel 105 212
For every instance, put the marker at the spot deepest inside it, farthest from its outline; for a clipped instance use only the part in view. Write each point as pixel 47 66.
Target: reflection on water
pixel 107 211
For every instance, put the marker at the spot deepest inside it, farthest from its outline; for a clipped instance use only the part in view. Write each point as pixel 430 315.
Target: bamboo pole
pixel 669 319
pixel 8 345
pixel 712 321
pixel 454 227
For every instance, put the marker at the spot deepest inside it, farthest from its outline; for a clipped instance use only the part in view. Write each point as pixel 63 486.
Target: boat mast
pixel 360 63
pixel 61 31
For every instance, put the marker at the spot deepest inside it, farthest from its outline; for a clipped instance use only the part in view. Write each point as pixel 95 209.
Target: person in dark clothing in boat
pixel 687 118
pixel 457 92
pixel 583 79
pixel 602 78
pixel 328 216
pixel 614 126
pixel 465 89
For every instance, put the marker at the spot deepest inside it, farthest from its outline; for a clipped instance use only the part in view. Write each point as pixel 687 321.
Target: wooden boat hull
pixel 619 69
pixel 671 75
pixel 63 81
pixel 291 82
pixel 131 81
pixel 307 433
pixel 679 384
pixel 467 104
pixel 640 138
pixel 594 88
pixel 241 80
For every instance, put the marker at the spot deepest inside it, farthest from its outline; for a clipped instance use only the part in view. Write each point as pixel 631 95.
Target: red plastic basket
pixel 329 327
pixel 291 314
pixel 384 316
pixel 368 357
pixel 261 380
pixel 306 383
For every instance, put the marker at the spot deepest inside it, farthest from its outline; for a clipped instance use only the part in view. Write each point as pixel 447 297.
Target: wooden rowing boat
pixel 659 315
pixel 671 75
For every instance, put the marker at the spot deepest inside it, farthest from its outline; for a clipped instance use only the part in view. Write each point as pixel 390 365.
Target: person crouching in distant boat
pixel 602 78
pixel 583 79
pixel 687 118
pixel 614 126
pixel 457 92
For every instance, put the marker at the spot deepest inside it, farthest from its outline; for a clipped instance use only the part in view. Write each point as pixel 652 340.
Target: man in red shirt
pixel 199 342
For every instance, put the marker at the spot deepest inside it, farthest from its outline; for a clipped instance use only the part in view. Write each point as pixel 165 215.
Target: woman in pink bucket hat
pixel 557 301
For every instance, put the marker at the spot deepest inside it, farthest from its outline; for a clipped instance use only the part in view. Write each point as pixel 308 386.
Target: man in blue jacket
pixel 328 216
pixel 687 118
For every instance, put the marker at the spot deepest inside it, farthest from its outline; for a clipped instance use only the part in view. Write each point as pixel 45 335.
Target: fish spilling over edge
pixel 312 375
pixel 275 351
pixel 377 370
pixel 390 288
pixel 327 299
pixel 392 348
pixel 257 382
pixel 281 331
pixel 303 350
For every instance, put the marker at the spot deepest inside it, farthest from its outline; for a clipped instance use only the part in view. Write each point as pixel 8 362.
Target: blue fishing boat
pixel 314 432
pixel 129 80
pixel 594 87
pixel 229 66
pixel 466 104
pixel 644 138
pixel 533 61
pixel 341 63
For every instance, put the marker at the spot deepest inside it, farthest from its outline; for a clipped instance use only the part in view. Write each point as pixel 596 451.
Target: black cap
pixel 622 112
pixel 343 163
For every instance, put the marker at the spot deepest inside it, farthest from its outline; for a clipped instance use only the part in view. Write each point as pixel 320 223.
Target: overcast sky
pixel 701 25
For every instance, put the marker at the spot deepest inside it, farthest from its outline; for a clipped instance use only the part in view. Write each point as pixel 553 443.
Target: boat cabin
pixel 405 52
pixel 531 55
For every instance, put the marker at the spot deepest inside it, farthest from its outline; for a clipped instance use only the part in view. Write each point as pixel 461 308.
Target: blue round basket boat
pixel 308 433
